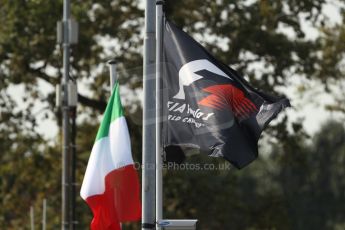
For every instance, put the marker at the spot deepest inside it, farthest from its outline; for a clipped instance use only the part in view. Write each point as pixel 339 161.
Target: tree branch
pixel 37 72
pixel 93 103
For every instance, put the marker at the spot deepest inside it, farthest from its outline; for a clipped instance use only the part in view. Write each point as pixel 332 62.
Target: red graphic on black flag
pixel 225 96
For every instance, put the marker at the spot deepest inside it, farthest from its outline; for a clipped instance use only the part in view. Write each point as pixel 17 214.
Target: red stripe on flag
pixel 119 202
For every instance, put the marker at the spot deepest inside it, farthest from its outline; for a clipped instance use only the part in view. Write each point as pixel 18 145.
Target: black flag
pixel 209 107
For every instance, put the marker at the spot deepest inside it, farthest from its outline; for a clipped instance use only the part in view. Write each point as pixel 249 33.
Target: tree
pixel 246 35
pixel 311 179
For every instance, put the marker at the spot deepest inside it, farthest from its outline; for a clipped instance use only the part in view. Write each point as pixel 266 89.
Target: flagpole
pixel 32 218
pixel 159 160
pixel 66 126
pixel 148 159
pixel 67 35
pixel 44 214
pixel 113 73
pixel 113 78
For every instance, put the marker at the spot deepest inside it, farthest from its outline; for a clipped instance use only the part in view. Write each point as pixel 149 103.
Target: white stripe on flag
pixel 108 153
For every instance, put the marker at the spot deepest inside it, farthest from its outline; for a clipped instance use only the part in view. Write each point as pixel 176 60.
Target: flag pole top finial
pixel 112 61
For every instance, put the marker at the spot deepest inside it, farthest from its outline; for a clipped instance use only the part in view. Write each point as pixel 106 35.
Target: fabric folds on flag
pixel 111 186
pixel 208 106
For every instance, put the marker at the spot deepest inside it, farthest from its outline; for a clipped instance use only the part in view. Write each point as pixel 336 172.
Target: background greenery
pixel 298 181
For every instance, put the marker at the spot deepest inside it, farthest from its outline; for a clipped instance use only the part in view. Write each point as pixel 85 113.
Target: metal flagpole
pixel 65 114
pixel 113 73
pixel 44 214
pixel 72 160
pixel 67 34
pixel 32 218
pixel 159 152
pixel 113 79
pixel 148 170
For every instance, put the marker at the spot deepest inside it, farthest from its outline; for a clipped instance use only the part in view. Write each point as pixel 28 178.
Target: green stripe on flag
pixel 113 111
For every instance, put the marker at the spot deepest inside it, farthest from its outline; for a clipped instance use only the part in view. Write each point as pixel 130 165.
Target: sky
pixel 310 105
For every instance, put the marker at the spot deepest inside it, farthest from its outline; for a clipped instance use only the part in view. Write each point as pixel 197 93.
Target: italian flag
pixel 110 186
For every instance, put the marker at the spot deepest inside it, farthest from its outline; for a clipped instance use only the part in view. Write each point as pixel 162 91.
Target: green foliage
pixel 296 185
pixel 252 35
pixel 312 179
